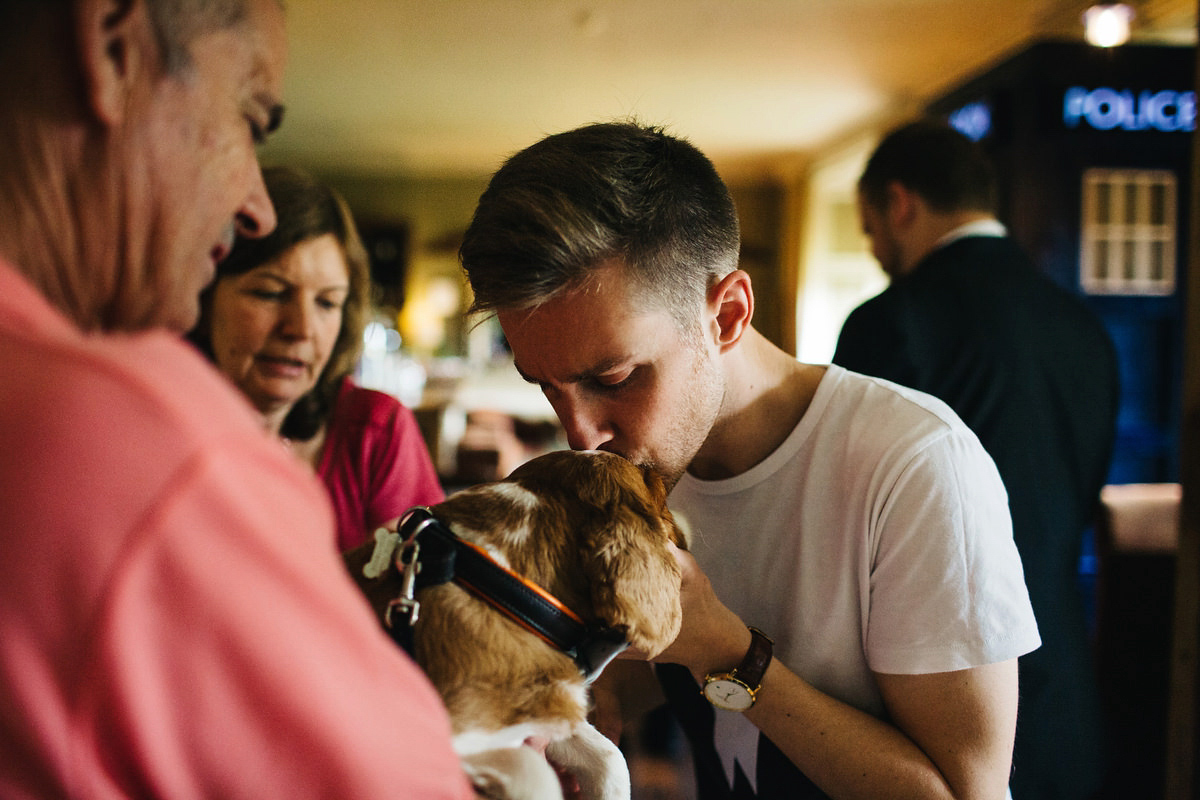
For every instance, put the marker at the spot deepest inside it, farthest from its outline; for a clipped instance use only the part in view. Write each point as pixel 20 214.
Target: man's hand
pixel 712 637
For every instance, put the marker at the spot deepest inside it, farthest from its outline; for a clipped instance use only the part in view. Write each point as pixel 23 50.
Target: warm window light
pixel 1107 25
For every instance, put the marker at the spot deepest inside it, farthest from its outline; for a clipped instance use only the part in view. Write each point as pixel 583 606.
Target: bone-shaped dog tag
pixel 381 557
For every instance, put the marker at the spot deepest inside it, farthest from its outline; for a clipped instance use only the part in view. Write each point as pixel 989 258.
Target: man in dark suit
pixel 970 319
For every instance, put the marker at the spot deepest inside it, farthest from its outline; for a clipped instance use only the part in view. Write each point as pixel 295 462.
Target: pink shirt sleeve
pixel 173 620
pixel 186 697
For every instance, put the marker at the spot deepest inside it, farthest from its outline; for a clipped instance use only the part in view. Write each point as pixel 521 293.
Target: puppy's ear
pixel 634 578
pixel 656 487
pixel 621 534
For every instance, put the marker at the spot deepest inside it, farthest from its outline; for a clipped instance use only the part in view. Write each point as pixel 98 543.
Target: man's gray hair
pixel 178 22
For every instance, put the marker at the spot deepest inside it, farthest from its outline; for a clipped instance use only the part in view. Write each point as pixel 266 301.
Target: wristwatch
pixel 736 690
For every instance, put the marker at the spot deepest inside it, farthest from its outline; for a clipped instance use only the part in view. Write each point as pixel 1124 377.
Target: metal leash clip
pixel 407 602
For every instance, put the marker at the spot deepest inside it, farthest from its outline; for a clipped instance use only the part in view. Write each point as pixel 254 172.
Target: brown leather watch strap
pixel 758 657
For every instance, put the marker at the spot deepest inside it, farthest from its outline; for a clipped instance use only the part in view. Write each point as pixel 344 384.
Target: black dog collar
pixel 430 554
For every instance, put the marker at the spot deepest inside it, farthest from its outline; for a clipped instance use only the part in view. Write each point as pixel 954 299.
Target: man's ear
pixel 731 301
pixel 902 205
pixel 112 36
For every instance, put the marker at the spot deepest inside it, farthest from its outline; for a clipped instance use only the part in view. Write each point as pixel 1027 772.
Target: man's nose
pixel 585 425
pixel 256 217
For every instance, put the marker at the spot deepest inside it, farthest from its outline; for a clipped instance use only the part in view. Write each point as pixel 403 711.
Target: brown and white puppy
pixel 592 530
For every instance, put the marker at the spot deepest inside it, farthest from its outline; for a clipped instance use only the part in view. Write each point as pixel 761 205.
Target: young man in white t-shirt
pixel 853 593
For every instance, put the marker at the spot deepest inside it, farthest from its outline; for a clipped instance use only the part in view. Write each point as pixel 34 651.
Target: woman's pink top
pixel 374 463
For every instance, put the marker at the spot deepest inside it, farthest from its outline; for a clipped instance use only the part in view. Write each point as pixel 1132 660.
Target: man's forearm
pixel 846 752
pixel 850 754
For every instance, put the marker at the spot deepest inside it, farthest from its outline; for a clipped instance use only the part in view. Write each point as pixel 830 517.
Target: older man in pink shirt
pixel 173 621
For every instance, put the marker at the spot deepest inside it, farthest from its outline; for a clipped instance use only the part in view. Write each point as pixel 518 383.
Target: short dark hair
pixel 614 190
pixel 306 209
pixel 928 157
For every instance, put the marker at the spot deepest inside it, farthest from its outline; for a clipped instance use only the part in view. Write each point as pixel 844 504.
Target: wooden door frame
pixel 1183 745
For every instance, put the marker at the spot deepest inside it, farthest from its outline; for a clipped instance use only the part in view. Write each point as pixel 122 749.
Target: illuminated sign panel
pixel 1108 109
pixel 973 120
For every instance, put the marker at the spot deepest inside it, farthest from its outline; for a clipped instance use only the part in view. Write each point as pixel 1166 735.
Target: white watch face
pixel 728 694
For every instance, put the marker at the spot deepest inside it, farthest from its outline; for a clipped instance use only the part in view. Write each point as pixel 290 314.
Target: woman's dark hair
pixel 306 209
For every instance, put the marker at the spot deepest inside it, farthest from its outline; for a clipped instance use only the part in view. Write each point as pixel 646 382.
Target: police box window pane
pixel 1103 199
pixel 1158 204
pixel 1127 241
pixel 1131 261
pixel 1100 271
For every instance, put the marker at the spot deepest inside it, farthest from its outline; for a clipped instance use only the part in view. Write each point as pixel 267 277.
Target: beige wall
pixel 435 213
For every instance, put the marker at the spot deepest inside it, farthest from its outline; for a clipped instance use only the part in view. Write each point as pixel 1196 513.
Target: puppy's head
pixel 591 528
pixel 615 517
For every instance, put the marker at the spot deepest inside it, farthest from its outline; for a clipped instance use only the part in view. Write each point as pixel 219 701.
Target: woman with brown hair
pixel 284 321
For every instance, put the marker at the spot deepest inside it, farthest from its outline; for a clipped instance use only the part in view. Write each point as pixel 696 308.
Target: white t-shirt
pixel 876 538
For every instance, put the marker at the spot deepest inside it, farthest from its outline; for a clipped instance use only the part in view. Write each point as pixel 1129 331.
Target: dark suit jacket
pixel 1033 372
